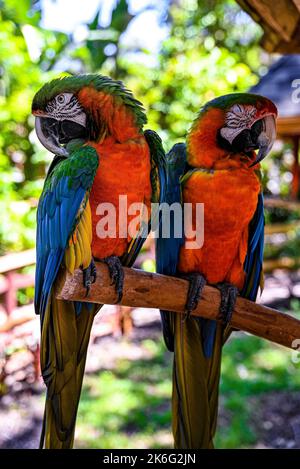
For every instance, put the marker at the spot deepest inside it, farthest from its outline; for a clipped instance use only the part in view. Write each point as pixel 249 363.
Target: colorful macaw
pixel 94 126
pixel 219 168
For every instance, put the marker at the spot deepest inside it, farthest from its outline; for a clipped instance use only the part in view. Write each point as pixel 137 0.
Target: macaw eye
pixel 60 99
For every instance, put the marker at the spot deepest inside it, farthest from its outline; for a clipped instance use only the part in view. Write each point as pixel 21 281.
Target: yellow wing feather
pixel 79 253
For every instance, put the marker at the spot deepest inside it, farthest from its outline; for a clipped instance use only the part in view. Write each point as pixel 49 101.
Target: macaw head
pixel 230 125
pixel 87 107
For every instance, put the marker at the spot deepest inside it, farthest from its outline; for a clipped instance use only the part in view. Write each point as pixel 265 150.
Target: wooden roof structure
pixel 280 85
pixel 280 20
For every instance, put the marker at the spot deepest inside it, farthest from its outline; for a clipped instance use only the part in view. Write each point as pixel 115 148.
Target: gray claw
pixel 229 295
pixel 89 277
pixel 116 273
pixel 196 284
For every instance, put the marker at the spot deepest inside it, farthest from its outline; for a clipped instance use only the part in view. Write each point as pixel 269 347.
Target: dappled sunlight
pixel 128 406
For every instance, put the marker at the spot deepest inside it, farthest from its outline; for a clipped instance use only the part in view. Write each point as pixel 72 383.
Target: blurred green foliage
pixel 126 407
pixel 211 48
pixel 125 401
pixel 26 56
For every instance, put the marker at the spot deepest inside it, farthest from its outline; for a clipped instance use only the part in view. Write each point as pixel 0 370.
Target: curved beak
pixel 45 131
pixel 266 138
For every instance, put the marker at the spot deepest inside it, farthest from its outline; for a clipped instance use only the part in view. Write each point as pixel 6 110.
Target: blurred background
pixel 174 55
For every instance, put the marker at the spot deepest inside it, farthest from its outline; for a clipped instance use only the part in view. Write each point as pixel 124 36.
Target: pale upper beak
pixel 48 137
pixel 56 133
pixel 266 138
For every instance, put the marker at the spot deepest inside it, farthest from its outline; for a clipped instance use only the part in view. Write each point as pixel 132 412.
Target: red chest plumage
pixel 230 200
pixel 124 169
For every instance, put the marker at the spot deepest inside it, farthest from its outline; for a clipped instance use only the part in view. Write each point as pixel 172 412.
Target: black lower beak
pixel 54 134
pixel 68 130
pixel 265 139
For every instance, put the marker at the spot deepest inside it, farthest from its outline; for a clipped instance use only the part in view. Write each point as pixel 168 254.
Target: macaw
pixel 219 168
pixel 94 126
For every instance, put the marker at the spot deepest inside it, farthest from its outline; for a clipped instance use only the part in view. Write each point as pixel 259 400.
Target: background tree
pixel 211 48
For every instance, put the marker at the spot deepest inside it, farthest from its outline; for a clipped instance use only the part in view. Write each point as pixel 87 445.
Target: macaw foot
pixel 197 283
pixel 229 294
pixel 89 277
pixel 116 273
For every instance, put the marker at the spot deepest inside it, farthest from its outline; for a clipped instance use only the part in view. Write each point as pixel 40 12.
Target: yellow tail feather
pixel 195 386
pixel 64 342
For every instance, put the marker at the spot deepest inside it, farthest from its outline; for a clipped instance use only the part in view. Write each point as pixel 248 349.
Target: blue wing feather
pixel 167 249
pixel 51 244
pixel 64 191
pixel 254 260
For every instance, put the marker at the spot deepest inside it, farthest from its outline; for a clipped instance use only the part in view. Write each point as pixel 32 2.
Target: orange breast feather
pixel 124 169
pixel 230 199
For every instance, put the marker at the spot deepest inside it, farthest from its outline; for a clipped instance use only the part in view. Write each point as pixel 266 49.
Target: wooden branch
pixel 18 317
pixel 274 202
pixel 148 290
pixel 275 228
pixel 17 260
pixel 11 323
pixel 288 127
pixel 287 263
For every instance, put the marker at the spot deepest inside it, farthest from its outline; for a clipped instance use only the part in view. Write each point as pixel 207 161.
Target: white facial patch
pixel 238 118
pixel 66 106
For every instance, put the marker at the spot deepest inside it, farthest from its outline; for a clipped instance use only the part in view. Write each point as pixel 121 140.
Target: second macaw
pixel 94 126
pixel 219 167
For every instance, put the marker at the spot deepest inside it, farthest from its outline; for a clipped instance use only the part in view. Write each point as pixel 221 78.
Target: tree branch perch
pixel 148 290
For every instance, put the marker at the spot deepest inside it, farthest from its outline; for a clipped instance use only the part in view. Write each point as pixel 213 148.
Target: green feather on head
pixel 226 101
pixel 73 84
